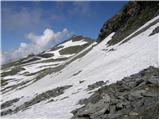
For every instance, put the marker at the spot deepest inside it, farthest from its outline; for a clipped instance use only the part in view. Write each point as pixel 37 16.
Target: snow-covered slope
pixel 101 63
pixel 28 69
pixel 24 72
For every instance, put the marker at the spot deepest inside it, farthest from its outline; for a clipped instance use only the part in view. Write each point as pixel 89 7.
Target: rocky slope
pixel 132 16
pixel 133 97
pixel 63 82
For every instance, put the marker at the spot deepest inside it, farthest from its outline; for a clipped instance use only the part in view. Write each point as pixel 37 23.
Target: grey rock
pixel 149 94
pixel 41 97
pixel 100 113
pixel 136 94
pixel 83 101
pixel 9 111
pixel 112 102
pixel 9 103
pixel 106 98
pixel 76 73
pixel 115 115
pixel 133 115
pixel 120 106
pixel 81 81
pixel 96 85
pixel 156 30
pixel 153 81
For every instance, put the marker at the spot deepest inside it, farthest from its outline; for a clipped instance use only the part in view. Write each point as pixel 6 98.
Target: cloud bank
pixel 38 43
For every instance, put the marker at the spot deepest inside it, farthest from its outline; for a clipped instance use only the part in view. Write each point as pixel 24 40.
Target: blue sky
pixel 84 18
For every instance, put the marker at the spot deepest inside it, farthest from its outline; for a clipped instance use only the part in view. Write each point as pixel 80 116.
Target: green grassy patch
pixel 73 49
pixel 3 82
pixel 46 55
pixel 12 71
pixel 53 60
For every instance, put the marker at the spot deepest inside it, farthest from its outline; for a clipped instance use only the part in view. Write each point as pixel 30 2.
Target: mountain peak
pixel 80 37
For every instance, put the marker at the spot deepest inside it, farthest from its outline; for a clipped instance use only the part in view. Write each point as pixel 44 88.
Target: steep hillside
pixel 132 16
pixel 24 72
pixel 78 78
pixel 56 95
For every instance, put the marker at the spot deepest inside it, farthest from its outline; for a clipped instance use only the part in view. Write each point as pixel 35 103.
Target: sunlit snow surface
pixel 34 67
pixel 99 64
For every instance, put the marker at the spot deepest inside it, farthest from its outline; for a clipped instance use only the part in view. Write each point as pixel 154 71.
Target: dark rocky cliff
pixel 132 16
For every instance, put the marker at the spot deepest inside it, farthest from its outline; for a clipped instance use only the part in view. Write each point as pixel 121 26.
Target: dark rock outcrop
pixel 9 103
pixel 46 55
pixel 156 30
pixel 80 37
pixel 132 97
pixel 132 16
pixel 96 85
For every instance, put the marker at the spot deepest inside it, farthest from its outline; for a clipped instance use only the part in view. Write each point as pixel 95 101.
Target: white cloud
pixel 41 40
pixel 48 35
pixel 38 44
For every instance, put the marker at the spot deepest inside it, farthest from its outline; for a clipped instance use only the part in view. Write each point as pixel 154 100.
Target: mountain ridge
pixel 89 40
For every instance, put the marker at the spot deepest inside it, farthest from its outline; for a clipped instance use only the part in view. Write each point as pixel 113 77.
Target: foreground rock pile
pixel 133 97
